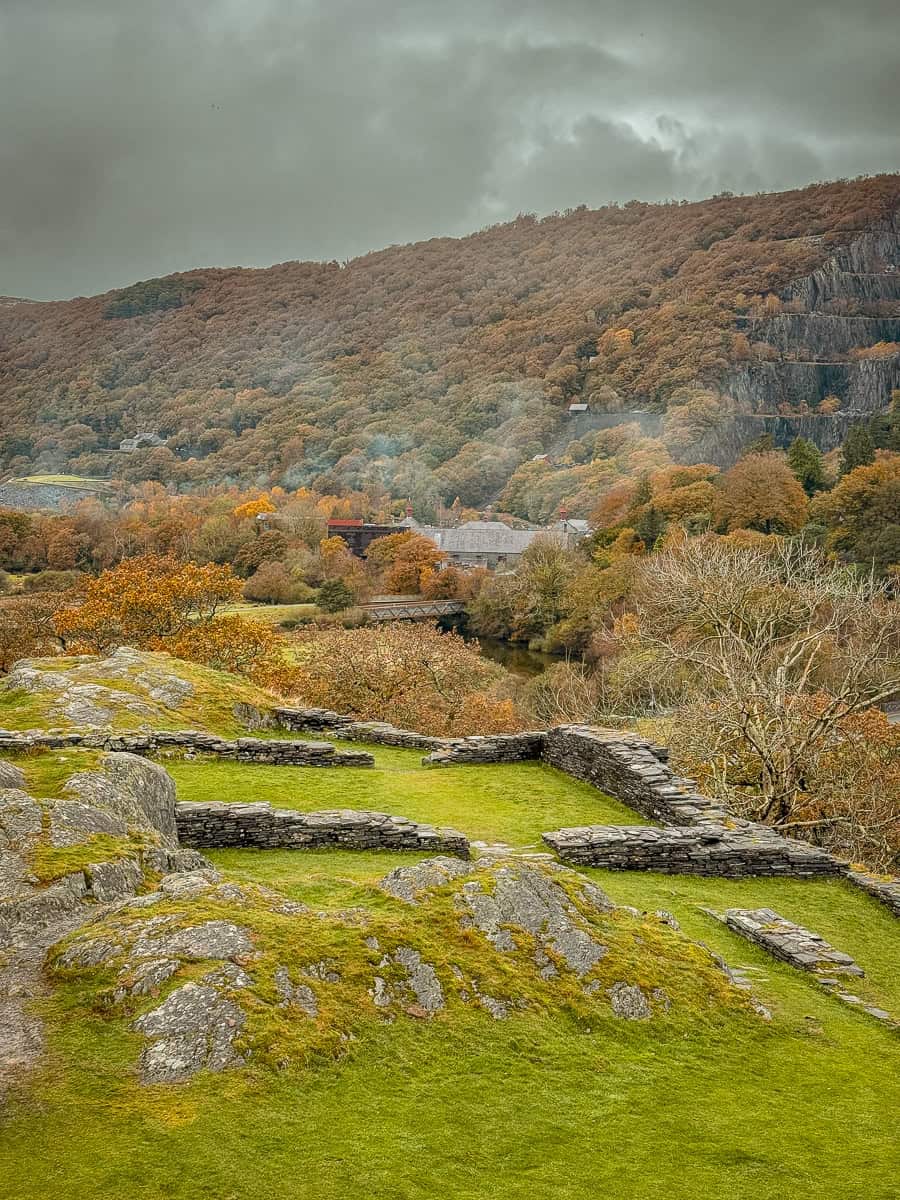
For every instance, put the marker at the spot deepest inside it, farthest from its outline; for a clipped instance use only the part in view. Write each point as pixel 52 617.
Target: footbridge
pixel 411 608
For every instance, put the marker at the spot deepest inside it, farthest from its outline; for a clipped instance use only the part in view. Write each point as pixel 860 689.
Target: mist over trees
pixel 433 370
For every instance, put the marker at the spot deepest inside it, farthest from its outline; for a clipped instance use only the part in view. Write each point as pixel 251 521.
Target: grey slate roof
pixel 485 538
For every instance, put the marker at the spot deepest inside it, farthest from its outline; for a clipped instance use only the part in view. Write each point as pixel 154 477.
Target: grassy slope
pixel 209 707
pixel 804 1107
pixel 466 1108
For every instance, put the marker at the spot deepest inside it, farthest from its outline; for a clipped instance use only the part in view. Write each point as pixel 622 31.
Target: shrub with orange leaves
pixel 142 601
pixel 229 643
pixel 412 675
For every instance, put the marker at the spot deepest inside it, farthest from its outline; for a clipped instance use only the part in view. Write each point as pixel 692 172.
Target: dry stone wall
pixel 633 770
pixel 703 850
pixel 380 733
pixel 489 748
pixel 272 751
pixel 221 825
pixel 880 887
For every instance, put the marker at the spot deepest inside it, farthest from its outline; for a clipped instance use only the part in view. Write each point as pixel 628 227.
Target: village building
pixel 485 543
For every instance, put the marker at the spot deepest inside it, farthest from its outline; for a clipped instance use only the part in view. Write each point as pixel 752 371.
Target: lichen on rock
pixel 193 1029
pixel 139 791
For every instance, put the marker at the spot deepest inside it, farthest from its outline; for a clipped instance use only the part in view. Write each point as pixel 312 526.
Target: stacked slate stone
pixel 803 949
pixel 490 748
pixel 192 741
pixel 703 850
pixel 323 720
pixel 885 889
pixel 792 943
pixel 220 825
pixel 633 770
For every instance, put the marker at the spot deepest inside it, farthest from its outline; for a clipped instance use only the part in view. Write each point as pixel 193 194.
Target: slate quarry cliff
pixel 821 346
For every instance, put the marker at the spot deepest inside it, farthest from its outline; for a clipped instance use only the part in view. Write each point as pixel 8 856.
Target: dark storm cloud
pixel 139 137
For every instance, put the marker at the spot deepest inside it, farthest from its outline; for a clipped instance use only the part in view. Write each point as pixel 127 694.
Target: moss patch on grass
pixel 53 862
pixel 46 771
pixel 21 710
pixel 331 879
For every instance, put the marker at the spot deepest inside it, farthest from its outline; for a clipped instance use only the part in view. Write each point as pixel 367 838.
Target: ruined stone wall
pixel 247 750
pixel 488 748
pixel 322 720
pixel 632 770
pixel 702 850
pixel 880 887
pixel 221 825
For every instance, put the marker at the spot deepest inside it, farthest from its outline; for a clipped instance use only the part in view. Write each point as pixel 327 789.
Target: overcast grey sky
pixel 139 137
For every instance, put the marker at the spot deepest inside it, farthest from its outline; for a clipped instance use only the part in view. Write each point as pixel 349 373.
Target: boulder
pixel 140 791
pixel 11 776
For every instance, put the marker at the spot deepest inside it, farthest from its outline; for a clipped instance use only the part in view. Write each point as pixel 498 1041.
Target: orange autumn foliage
pixel 143 601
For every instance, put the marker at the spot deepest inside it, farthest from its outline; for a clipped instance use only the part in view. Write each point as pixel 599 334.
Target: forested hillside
pixel 436 369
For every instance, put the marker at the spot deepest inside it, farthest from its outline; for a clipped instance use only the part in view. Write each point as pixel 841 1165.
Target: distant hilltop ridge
pixel 444 368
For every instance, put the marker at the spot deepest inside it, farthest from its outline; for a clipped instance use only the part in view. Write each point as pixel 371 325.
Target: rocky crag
pixel 816 347
pixel 65 861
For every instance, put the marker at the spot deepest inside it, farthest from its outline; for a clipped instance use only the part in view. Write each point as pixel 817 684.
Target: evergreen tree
pixel 805 461
pixel 858 449
pixel 650 527
pixel 885 427
pixel 642 493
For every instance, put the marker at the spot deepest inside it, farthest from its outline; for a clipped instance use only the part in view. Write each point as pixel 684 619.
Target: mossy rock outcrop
pixel 215 975
pixel 126 689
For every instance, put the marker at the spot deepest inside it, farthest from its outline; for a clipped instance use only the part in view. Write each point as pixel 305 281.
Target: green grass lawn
pixel 693 1107
pixel 536 1106
pixel 514 802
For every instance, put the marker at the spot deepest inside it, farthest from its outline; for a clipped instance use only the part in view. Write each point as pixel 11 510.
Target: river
pixel 517 659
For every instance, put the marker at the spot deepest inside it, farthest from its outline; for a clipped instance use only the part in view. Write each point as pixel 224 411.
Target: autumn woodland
pixel 440 378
